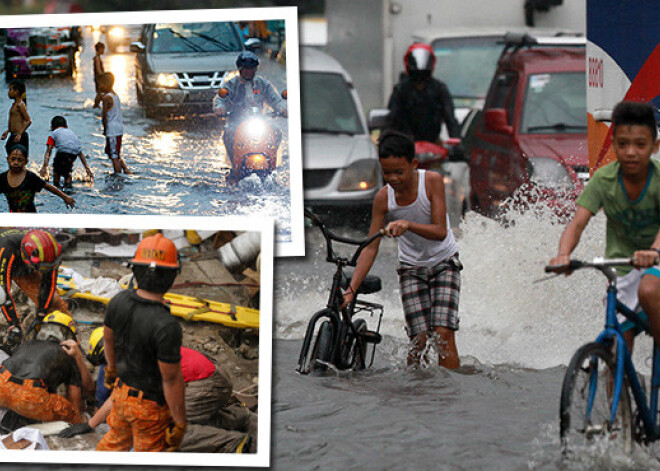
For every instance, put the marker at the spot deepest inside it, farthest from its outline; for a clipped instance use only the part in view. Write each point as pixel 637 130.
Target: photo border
pixel 296 247
pixel 231 223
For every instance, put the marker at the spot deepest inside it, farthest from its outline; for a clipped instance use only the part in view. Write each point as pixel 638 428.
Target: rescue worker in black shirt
pixel 419 103
pixel 30 377
pixel 142 348
pixel 31 259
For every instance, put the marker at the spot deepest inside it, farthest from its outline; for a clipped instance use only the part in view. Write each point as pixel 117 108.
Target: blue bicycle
pixel 595 397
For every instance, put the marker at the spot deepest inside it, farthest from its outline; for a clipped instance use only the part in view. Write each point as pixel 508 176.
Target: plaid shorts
pixel 430 295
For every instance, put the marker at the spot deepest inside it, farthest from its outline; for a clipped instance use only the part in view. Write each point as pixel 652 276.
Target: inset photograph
pixel 181 113
pixel 144 339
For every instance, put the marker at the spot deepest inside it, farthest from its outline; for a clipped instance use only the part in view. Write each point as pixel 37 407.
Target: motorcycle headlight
pixel 549 173
pixel 256 127
pixel 360 176
pixel 166 80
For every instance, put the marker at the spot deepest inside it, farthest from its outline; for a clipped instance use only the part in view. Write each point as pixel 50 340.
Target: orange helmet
pixel 156 251
pixel 41 250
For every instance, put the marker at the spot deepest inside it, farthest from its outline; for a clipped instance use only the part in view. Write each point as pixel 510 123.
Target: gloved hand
pixel 110 377
pixel 174 435
pixel 75 429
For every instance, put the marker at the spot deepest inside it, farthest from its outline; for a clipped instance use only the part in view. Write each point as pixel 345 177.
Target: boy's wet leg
pixel 649 299
pixel 445 345
pixel 417 349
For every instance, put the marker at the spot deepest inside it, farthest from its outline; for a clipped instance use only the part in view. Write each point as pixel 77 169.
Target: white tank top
pixel 114 121
pixel 414 249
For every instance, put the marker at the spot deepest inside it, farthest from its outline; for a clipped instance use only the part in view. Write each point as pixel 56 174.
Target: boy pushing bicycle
pixel 628 191
pixel 413 206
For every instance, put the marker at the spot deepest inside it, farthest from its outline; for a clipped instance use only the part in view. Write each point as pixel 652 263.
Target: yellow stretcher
pixel 187 307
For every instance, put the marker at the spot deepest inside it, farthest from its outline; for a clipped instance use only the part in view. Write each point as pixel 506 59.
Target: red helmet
pixel 158 251
pixel 419 57
pixel 41 250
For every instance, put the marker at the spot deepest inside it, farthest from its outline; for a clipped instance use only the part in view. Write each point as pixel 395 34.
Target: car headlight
pixel 549 173
pixel 359 176
pixel 117 32
pixel 165 80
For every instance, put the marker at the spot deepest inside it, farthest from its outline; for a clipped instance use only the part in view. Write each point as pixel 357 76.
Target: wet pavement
pixel 179 164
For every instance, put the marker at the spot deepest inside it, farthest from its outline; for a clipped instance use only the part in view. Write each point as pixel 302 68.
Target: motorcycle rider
pixel 242 92
pixel 419 103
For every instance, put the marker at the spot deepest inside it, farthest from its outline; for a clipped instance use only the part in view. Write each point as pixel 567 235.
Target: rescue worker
pixel 142 349
pixel 31 259
pixel 217 421
pixel 30 377
pixel 243 92
pixel 420 103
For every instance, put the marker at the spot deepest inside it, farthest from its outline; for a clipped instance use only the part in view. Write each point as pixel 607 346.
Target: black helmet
pixel 419 58
pixel 247 59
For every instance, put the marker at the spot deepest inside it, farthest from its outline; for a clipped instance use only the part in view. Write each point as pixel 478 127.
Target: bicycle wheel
pixel 586 402
pixel 322 351
pixel 359 350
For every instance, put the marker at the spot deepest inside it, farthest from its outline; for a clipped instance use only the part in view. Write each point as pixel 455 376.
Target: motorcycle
pixel 256 142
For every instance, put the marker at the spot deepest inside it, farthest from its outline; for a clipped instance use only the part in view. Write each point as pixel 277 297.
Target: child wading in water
pixel 412 204
pixel 68 150
pixel 19 119
pixel 20 185
pixel 99 70
pixel 113 123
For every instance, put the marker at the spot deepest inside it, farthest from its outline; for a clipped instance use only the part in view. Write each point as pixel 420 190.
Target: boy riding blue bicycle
pixel 628 191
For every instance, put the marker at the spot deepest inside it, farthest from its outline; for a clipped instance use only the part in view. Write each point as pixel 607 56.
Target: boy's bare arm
pixel 107 104
pixel 84 162
pixel 22 109
pixel 437 230
pixel 69 201
pixel 571 236
pixel 368 255
pixel 649 257
pixel 44 167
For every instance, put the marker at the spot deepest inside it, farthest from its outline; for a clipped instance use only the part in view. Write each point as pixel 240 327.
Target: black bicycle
pixel 336 336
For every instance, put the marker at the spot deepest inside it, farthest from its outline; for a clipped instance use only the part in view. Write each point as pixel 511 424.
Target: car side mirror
pixel 379 118
pixel 137 47
pixel 252 44
pixel 496 120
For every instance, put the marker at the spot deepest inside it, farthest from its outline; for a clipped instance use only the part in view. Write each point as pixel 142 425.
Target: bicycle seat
pixel 370 284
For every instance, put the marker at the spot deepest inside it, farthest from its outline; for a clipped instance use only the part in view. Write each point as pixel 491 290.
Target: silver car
pixel 341 168
pixel 179 67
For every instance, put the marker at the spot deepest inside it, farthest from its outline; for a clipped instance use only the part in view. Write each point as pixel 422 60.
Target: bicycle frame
pixel 648 412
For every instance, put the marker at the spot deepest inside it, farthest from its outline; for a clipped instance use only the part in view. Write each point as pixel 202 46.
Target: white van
pixel 341 169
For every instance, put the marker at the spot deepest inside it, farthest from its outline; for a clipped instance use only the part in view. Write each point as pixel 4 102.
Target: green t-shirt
pixel 631 225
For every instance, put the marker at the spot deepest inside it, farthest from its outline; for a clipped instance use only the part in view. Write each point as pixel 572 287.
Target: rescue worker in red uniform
pixel 31 259
pixel 143 352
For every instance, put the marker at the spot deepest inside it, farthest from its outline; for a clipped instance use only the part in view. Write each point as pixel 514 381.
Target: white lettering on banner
pixel 595 72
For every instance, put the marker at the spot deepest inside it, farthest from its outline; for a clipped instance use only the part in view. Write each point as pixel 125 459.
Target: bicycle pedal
pixel 371 336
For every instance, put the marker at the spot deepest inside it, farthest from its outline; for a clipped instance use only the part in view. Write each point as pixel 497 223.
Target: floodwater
pixel 180 166
pixel 499 411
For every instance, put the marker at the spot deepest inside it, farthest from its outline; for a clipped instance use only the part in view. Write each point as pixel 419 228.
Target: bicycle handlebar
pixel 330 236
pixel 604 265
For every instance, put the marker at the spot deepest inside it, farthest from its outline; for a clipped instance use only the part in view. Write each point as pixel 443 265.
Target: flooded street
pixel 179 165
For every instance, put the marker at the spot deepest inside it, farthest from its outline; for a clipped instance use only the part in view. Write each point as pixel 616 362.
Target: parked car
pixel 341 169
pixel 533 129
pixel 180 67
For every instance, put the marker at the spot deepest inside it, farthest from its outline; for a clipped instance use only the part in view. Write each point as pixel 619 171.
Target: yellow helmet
pixel 95 351
pixel 57 325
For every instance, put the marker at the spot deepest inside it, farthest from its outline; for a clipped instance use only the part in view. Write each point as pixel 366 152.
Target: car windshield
pixel 555 103
pixel 327 104
pixel 466 65
pixel 195 37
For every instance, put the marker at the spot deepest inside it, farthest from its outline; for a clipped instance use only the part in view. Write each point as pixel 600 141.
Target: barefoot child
pixel 99 70
pixel 113 124
pixel 413 206
pixel 19 120
pixel 68 150
pixel 20 185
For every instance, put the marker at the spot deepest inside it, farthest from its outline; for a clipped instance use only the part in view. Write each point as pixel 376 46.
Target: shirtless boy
pixel 19 120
